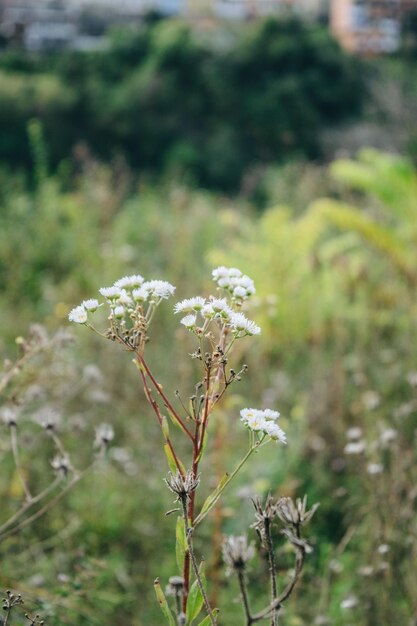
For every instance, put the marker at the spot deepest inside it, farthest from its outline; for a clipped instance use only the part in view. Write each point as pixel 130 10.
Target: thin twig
pixel 28 504
pixel 272 569
pixel 15 450
pixel 244 595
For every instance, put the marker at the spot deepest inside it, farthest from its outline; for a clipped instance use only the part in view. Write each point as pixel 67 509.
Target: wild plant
pixel 217 324
pixel 26 409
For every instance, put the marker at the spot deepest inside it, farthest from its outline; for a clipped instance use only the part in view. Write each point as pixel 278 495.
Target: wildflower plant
pixel 217 323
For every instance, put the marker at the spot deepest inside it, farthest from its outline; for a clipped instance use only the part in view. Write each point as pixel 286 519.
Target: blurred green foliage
pixel 211 105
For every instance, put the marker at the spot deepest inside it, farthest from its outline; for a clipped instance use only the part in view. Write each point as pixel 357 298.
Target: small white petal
pixel 78 315
pixel 189 321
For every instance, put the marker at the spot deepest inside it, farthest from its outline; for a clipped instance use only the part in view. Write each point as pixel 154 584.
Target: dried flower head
pixel 237 552
pixel 295 514
pixel 104 435
pixel 181 485
pixel 61 464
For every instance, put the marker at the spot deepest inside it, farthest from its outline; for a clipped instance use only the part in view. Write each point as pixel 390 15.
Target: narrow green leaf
pixel 206 621
pixel 162 601
pixel 171 461
pixel 195 598
pixel 174 418
pixel 165 427
pixel 170 457
pixel 194 603
pixel 180 544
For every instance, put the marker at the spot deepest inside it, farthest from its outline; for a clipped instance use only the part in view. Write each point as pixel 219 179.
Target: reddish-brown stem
pixel 163 396
pixel 205 412
pixel 155 407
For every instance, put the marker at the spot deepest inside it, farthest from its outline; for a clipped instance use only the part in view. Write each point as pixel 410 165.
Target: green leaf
pixel 206 621
pixel 180 544
pixel 195 598
pixel 162 601
pixel 171 460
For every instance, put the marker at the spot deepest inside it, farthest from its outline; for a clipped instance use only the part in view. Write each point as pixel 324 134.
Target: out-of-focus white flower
pixel 374 468
pixel 119 312
pixel 383 548
pixel 129 282
pixel 159 288
pixel 240 286
pixel 124 298
pixel 354 433
pixel 78 315
pixel 355 447
pixel 141 294
pixel 241 324
pixel 263 421
pixel 239 292
pixel 274 431
pixel 91 305
pixel 388 436
pixel 190 304
pixel 371 399
pixel 9 415
pixel 110 293
pixel 217 307
pixel 270 414
pixel 349 603
pixel 189 321
pixel 220 272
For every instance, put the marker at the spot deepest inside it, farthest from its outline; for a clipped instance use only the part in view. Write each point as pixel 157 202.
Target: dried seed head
pixel 264 514
pixel 181 485
pixel 104 435
pixel 61 464
pixel 295 514
pixel 175 586
pixel 237 552
pixel 299 544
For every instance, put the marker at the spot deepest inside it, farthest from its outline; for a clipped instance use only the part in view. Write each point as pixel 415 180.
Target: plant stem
pixel 244 595
pixel 165 400
pixel 272 569
pixel 15 450
pixel 239 466
pixel 188 532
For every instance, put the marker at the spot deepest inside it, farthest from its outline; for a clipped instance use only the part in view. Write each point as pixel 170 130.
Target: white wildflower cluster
pixel 215 309
pixel 123 297
pixel 263 421
pixel 231 279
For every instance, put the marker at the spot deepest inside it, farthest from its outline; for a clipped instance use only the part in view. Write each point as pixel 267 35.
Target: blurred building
pixel 370 26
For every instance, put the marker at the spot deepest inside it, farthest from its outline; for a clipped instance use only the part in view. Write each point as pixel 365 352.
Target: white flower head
pixel 270 414
pixel 190 304
pixel 241 324
pixel 110 293
pixel 248 414
pixel 217 307
pixel 355 447
pixel 275 432
pixel 141 294
pixel 220 272
pixel 129 282
pixel 239 292
pixel 91 305
pixel 119 312
pixel 189 321
pixel 78 315
pixel 124 297
pixel 263 421
pixel 159 288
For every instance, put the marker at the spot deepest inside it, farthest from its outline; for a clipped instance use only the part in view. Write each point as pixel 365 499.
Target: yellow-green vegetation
pixel 336 300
